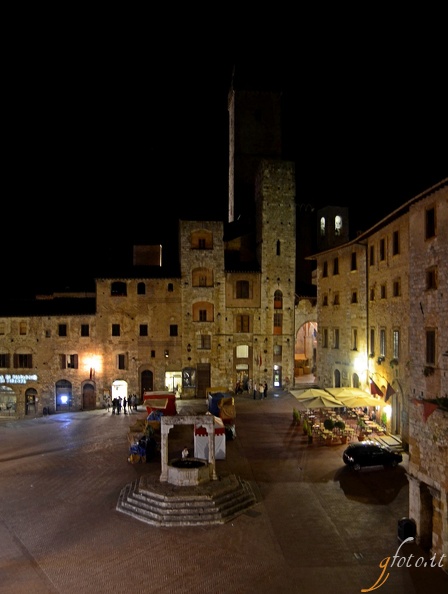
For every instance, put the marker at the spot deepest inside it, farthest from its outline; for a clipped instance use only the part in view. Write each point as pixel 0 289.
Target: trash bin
pixel 406 529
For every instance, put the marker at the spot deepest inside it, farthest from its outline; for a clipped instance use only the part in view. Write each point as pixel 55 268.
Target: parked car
pixel 370 453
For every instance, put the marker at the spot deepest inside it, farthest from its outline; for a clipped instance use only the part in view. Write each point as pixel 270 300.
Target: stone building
pixel 223 319
pixel 382 312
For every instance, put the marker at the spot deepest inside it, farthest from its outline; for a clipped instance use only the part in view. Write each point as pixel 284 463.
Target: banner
pixel 389 392
pixel 374 389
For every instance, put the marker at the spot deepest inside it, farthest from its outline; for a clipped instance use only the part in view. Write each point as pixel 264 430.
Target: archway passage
pixel 30 401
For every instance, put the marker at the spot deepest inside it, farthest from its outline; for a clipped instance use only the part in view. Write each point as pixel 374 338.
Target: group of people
pixel 120 403
pixel 259 390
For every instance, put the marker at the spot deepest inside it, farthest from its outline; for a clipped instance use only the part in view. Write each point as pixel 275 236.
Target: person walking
pixel 125 402
pixel 265 390
pixel 255 390
pixel 108 403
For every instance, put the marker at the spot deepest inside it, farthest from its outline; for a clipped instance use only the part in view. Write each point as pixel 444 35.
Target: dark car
pixel 370 453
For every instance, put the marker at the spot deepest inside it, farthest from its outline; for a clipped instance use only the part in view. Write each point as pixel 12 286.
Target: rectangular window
pixel 202 282
pixel 206 341
pixel 355 339
pixel 121 361
pixel 372 294
pixel 62 330
pixel 85 330
pixel 325 269
pixel 325 300
pixel 372 255
pixel 4 360
pixel 242 351
pixel 202 315
pixel 382 342
pixel 72 361
pixel 242 323
pixel 277 350
pixel 143 330
pixel 336 266
pixel 22 361
pixel 383 291
pixel 431 278
pixel 354 296
pixel 2 328
pixel 336 338
pixel 153 354
pixel 354 263
pixel 395 243
pixel 115 329
pixel 325 339
pixel 173 330
pixel 278 323
pixel 396 287
pixel 396 343
pixel 69 361
pixel 430 347
pixel 382 249
pixel 336 299
pixel 372 341
pixel 430 227
pixel 242 289
pixel 22 328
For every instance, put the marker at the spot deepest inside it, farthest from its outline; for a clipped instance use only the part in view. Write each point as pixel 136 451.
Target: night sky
pixel 105 152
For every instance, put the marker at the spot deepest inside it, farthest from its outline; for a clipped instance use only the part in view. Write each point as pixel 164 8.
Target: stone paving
pixel 318 527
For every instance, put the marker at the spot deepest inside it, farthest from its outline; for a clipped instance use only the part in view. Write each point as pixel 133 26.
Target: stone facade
pixel 210 326
pixel 382 311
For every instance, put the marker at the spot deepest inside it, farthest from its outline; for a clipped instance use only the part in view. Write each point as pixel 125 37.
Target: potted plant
pixel 340 426
pixel 361 432
pixel 295 417
pixel 310 434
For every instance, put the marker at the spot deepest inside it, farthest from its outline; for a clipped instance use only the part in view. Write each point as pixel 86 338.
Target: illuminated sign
pixel 17 379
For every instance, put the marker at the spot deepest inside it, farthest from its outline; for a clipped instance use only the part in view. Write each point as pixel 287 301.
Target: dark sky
pixel 102 150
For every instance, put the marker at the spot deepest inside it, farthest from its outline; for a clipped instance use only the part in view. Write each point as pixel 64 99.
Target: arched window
pixel 322 226
pixel 278 300
pixel 337 225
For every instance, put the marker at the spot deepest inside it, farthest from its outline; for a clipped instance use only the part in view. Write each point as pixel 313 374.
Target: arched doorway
pixel 8 401
pixel 30 401
pixel 64 396
pixel 146 382
pixel 337 378
pixel 88 396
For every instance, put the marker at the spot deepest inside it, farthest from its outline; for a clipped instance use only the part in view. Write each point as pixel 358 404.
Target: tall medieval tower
pixel 262 198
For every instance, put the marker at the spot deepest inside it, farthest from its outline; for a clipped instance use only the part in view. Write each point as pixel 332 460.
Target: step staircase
pixel 211 503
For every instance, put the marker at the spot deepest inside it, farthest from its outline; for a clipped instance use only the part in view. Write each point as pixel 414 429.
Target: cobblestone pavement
pixel 319 528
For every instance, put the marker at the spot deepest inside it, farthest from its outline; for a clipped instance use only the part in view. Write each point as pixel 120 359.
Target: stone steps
pixel 163 504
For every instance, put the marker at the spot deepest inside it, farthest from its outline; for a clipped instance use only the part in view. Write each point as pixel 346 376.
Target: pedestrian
pixel 134 401
pixel 125 402
pixel 108 403
pixel 119 404
pixel 185 453
pixel 265 390
pixel 255 390
pixel 115 406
